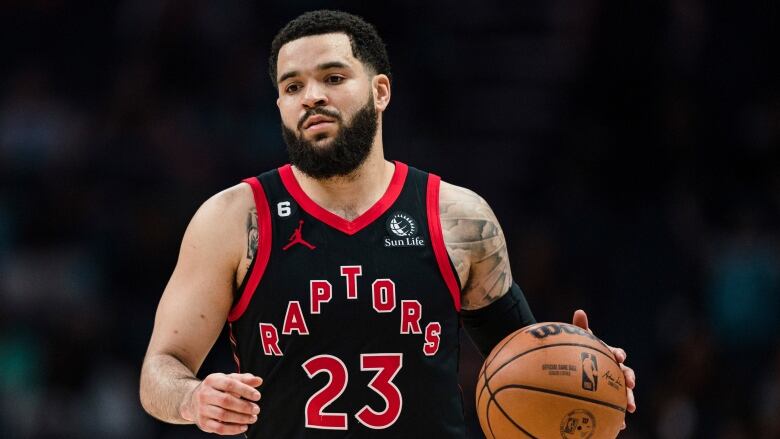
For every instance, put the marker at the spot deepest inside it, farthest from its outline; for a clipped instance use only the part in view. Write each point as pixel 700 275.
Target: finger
pixel 229 401
pixel 620 354
pixel 623 427
pixel 227 416
pixel 631 406
pixel 232 385
pixel 630 376
pixel 580 319
pixel 213 426
pixel 248 379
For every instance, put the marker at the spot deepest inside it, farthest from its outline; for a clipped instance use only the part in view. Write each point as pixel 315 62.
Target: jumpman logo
pixel 296 238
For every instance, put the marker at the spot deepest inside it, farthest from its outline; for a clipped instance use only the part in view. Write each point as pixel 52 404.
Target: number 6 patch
pixel 285 208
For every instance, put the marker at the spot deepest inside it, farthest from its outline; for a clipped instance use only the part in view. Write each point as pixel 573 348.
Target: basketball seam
pixel 490 360
pixel 493 398
pixel 549 346
pixel 487 408
pixel 487 417
pixel 484 375
pixel 558 393
pixel 506 342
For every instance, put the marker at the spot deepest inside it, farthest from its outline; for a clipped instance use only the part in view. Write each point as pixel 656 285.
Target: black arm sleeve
pixel 489 325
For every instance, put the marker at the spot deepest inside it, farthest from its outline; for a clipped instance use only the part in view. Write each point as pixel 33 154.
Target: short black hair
pixel 366 44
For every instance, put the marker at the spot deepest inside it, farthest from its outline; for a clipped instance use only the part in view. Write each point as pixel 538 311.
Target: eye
pixel 292 88
pixel 334 79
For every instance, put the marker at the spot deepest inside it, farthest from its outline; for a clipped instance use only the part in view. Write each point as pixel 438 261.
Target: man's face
pixel 329 115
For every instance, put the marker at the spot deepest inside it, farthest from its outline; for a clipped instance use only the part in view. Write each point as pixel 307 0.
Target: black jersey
pixel 353 325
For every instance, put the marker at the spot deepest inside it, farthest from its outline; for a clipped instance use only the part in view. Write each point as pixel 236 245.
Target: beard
pixel 347 151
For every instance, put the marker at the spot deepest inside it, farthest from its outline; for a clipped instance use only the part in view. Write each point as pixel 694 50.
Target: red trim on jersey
pixel 263 250
pixel 335 221
pixel 234 347
pixel 437 239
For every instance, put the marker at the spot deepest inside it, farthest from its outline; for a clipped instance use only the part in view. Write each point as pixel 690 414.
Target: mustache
pixel 318 110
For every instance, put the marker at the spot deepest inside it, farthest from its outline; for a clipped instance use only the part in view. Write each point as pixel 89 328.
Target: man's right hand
pixel 222 404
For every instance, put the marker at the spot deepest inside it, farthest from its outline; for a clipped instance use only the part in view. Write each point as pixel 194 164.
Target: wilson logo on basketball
pixel 404 228
pixel 544 331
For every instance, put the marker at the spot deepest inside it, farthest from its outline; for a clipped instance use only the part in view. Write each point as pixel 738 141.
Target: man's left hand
pixel 581 319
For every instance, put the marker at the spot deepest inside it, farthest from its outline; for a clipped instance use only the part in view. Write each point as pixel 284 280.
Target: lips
pixel 315 120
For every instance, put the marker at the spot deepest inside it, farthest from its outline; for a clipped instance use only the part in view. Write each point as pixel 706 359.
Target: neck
pixel 351 195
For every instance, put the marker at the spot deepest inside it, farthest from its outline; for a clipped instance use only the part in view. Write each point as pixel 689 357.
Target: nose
pixel 314 96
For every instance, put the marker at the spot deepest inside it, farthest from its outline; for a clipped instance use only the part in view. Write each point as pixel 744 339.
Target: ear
pixel 381 88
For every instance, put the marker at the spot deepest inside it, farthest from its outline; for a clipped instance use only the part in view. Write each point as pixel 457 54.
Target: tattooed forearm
pixel 252 234
pixel 476 245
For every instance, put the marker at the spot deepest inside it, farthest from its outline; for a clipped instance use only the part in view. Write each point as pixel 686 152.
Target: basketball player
pixel 343 277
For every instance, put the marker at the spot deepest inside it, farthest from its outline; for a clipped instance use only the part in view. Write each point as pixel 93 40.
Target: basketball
pixel 551 380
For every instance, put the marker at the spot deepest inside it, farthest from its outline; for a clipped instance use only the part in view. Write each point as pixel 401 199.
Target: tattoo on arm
pixel 252 234
pixel 476 245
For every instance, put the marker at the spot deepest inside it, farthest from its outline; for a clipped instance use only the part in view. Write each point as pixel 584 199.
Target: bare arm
pixel 476 245
pixel 190 317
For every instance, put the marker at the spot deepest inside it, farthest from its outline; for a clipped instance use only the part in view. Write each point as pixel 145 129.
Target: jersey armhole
pixel 437 240
pixel 257 267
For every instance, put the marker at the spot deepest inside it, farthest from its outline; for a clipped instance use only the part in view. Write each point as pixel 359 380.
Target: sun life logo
pixel 403 231
pixel 401 224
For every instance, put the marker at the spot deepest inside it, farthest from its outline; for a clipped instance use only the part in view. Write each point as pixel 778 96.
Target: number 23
pixel 387 367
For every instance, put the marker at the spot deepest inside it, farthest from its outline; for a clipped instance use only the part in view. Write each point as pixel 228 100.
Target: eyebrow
pixel 323 66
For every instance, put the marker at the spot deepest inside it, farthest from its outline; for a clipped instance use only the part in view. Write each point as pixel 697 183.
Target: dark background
pixel 630 150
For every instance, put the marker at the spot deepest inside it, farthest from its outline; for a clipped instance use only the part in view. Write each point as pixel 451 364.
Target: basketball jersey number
pixel 387 367
pixel 283 208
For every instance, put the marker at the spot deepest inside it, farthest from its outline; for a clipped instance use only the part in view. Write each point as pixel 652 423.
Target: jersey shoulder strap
pixel 259 263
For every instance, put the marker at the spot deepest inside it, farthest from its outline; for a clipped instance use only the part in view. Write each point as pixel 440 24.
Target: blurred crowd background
pixel 631 151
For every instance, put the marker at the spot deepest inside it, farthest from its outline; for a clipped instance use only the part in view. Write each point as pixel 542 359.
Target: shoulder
pixel 475 244
pixel 234 197
pixel 457 203
pixel 235 200
pixel 221 219
pixel 451 192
